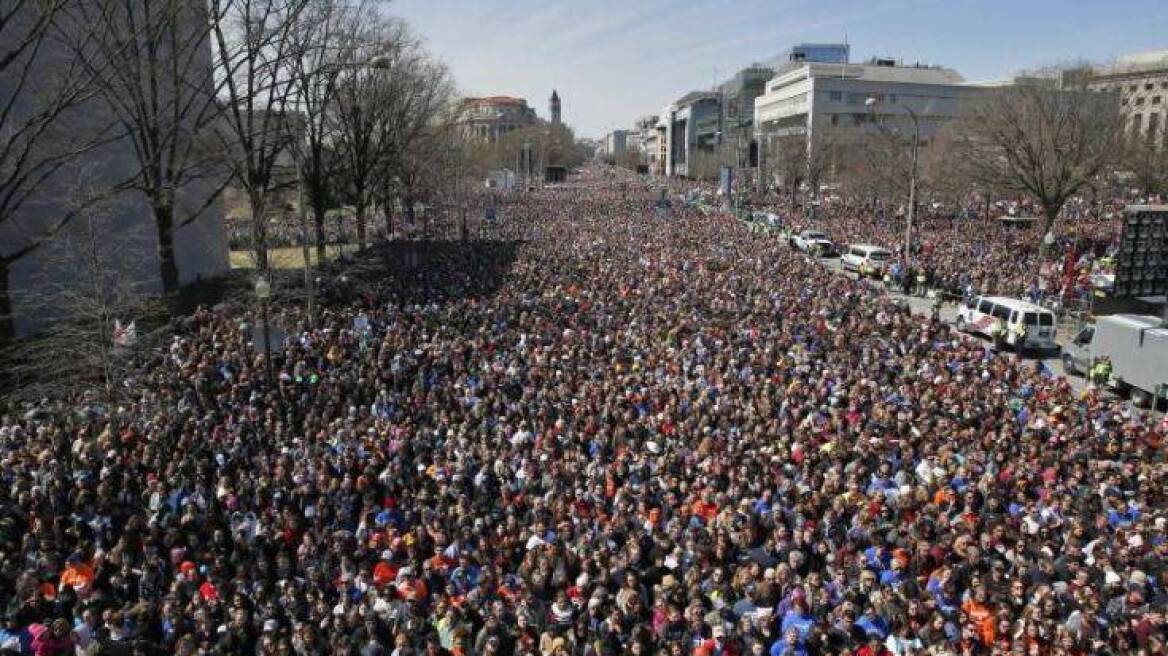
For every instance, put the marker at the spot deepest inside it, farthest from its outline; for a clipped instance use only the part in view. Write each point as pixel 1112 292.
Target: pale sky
pixel 613 61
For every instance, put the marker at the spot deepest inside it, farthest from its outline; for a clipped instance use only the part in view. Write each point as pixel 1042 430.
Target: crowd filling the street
pixel 633 430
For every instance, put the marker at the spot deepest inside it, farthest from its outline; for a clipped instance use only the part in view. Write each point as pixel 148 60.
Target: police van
pixel 1020 324
pixel 865 259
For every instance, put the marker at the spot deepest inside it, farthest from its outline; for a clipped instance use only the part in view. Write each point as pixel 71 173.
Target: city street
pixel 352 328
pixel 924 306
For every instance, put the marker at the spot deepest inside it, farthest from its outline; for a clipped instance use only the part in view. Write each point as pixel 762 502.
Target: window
pixel 1001 312
pixel 1155 100
pixel 985 307
pixel 1149 86
pixel 1045 319
pixel 1030 319
pixel 1153 127
pixel 1139 101
pixel 835 96
pixel 1085 336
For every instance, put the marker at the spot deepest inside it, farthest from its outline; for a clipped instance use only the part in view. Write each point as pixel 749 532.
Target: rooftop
pixel 883 72
pixel 694 97
pixel 495 100
pixel 1143 60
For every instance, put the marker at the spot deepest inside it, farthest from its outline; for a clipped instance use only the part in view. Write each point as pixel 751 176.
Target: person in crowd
pixel 603 429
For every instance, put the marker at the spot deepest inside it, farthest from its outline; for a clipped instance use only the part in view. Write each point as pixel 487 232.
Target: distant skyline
pixel 613 61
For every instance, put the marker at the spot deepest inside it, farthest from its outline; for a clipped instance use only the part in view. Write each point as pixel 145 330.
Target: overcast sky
pixel 615 60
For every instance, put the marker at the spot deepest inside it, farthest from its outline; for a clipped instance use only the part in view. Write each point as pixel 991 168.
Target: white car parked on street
pixel 813 241
pixel 865 259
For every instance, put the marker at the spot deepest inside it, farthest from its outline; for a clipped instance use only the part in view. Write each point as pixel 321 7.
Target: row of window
pixel 1153 131
pixel 856 119
pixel 861 98
pixel 1138 102
pixel 1133 88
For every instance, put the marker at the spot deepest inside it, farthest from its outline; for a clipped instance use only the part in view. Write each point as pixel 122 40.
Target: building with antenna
pixel 554 108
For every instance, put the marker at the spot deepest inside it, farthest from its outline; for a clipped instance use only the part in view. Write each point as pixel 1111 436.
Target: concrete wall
pixel 116 236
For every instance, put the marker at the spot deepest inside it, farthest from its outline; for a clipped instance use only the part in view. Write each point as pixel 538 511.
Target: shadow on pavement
pixel 421 271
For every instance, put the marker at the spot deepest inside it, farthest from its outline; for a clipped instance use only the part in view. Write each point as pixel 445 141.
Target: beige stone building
pixel 487 119
pixel 1141 82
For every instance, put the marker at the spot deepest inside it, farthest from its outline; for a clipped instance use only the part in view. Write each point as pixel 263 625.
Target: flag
pixel 125 336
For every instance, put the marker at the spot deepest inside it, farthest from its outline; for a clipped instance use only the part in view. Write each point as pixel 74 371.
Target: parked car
pixel 813 242
pixel 865 259
pixel 980 315
pixel 766 223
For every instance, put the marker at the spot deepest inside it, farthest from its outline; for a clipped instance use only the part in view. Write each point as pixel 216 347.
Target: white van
pixel 865 257
pixel 980 315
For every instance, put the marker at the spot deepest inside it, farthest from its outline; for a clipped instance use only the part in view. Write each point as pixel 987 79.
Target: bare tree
pixel 330 38
pixel 1147 164
pixel 39 90
pixel 94 313
pixel 879 165
pixel 384 114
pixel 150 60
pixel 362 115
pixel 785 158
pixel 824 159
pixel 254 54
pixel 1038 140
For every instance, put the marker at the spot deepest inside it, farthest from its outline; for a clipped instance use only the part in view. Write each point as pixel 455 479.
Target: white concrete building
pixel 810 97
pixel 643 138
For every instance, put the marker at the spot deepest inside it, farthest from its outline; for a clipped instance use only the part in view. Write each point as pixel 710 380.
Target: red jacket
pixel 44 644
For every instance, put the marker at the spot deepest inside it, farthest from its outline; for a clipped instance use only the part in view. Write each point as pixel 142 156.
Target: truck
pixel 1136 344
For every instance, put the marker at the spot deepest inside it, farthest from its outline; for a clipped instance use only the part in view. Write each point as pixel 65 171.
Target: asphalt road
pixel 924 306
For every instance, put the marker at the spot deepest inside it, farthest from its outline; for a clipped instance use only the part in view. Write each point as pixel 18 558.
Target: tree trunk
pixel 259 231
pixel 167 266
pixel 318 216
pixel 359 214
pixel 1049 214
pixel 7 321
pixel 387 207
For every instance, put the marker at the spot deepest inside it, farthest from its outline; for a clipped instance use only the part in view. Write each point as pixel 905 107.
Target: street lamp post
pixel 912 181
pixel 309 286
pixel 263 292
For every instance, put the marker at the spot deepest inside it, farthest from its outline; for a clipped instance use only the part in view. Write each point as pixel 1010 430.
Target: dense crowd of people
pixel 644 432
pixel 980 248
